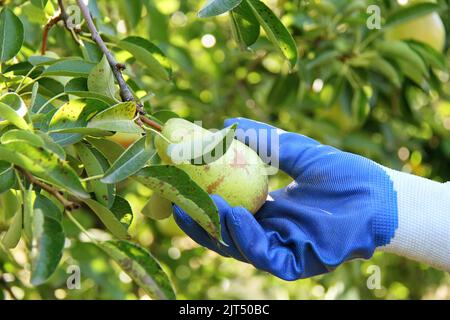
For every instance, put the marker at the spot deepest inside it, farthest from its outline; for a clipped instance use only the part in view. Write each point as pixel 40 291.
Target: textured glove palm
pixel 340 206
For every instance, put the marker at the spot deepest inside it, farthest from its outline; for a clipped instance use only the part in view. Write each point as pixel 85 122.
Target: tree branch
pixel 62 16
pixel 5 286
pixel 54 20
pixel 151 123
pixel 63 13
pixel 68 205
pixel 125 92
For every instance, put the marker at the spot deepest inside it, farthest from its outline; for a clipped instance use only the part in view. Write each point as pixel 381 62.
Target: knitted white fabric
pixel 423 232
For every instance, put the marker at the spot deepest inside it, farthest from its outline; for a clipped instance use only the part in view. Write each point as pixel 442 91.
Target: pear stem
pixel 151 123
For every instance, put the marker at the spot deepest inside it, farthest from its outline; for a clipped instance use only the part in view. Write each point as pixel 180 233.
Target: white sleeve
pixel 423 232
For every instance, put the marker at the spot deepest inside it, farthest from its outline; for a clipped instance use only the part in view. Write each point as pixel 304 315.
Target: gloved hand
pixel 340 206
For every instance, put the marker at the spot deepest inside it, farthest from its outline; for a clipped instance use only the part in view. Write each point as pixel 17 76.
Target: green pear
pixel 157 208
pixel 239 176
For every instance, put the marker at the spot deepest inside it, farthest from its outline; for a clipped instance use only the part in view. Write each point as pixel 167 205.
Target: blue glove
pixel 340 206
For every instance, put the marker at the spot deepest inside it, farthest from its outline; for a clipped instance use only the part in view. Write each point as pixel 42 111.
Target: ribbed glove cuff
pixel 423 232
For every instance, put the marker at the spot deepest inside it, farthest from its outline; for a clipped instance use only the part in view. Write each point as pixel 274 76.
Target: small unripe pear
pixel 157 208
pixel 239 176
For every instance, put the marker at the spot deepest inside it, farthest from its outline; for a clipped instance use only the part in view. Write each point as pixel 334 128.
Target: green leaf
pixel 132 9
pixel 175 185
pixel 284 90
pixel 412 73
pixel 94 132
pixel 75 164
pixel 410 12
pixel 7 176
pixel 10 115
pixel 360 106
pixel 49 238
pixel 13 109
pixel 73 114
pixel 52 146
pixel 108 218
pixel 130 162
pixel 111 150
pixel 21 69
pixel 14 101
pixel 103 193
pixel 49 87
pixel 49 59
pixel 118 118
pixel 101 79
pixel 402 53
pixel 34 94
pixel 122 210
pixel 90 51
pixel 28 213
pixel 39 3
pixel 149 55
pixel 217 7
pixel 373 61
pixel 41 60
pixel 386 69
pixel 10 202
pixel 69 68
pixel 79 87
pixel 32 13
pixel 430 55
pixel 245 26
pixel 323 58
pixel 159 22
pixel 275 30
pixel 16 135
pixel 202 149
pixel 142 267
pixel 11 34
pixel 44 164
pixel 14 233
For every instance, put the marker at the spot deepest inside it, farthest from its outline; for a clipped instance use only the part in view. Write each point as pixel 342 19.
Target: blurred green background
pixel 404 127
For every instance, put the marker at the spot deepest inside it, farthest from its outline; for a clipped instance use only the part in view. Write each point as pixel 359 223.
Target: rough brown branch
pixel 68 205
pixel 54 20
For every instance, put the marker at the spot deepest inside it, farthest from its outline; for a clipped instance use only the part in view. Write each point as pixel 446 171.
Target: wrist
pixel 423 232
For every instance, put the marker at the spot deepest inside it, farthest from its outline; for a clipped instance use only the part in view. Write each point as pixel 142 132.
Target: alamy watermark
pixel 73 17
pixel 374 280
pixel 374 20
pixel 74 280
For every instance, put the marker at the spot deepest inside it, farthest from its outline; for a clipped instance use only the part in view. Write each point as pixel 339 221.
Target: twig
pixel 151 123
pixel 68 205
pixel 125 92
pixel 47 27
pixel 63 13
pixel 62 16
pixel 7 289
